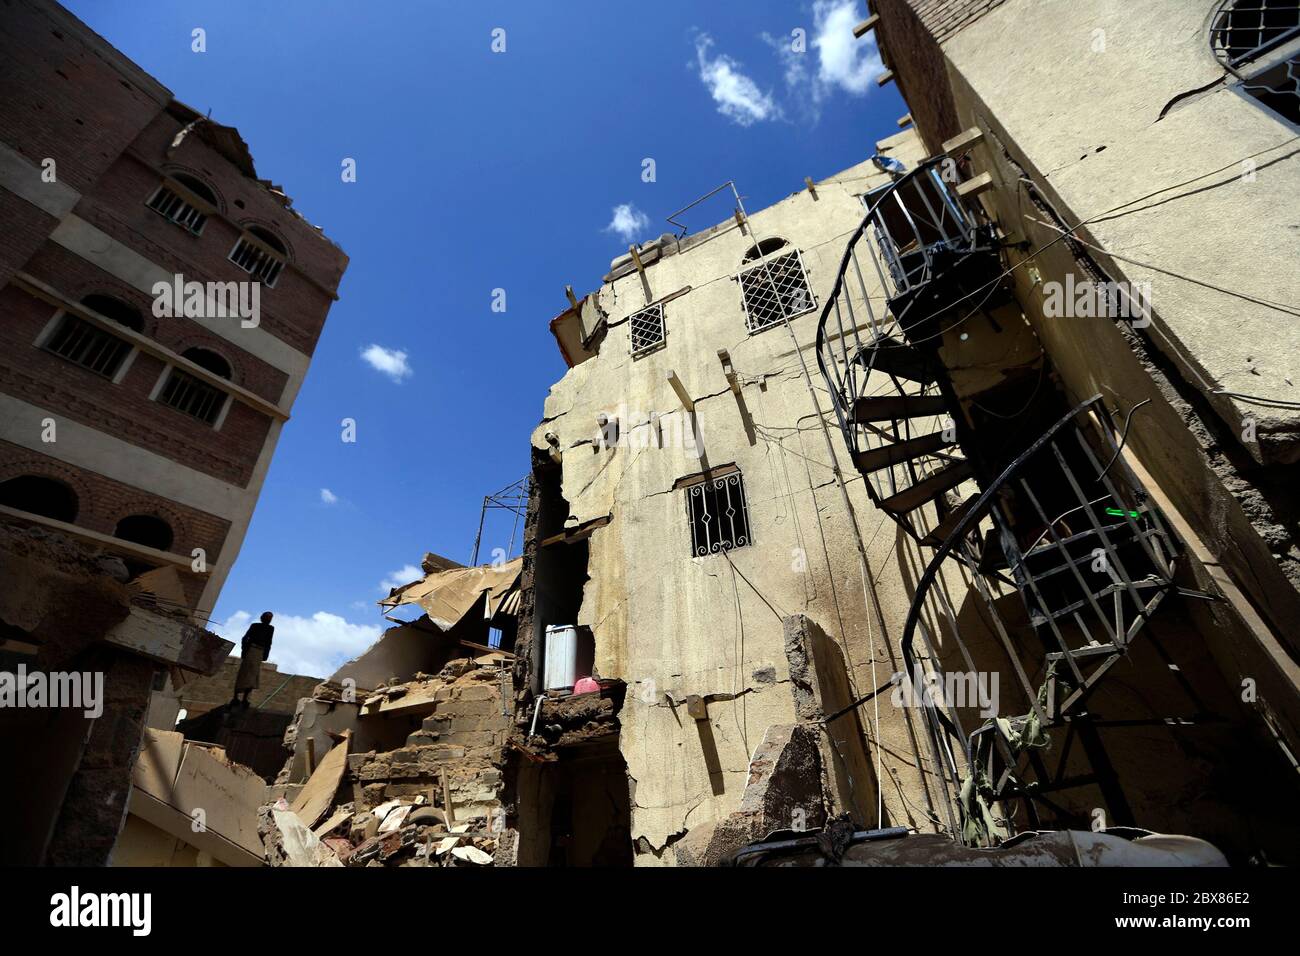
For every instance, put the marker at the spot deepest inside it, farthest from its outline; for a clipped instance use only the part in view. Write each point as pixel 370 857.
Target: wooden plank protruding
pixel 863 28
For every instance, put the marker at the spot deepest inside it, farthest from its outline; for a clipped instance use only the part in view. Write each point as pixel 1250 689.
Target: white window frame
pixel 56 322
pixel 189 202
pixel 247 238
pixel 155 396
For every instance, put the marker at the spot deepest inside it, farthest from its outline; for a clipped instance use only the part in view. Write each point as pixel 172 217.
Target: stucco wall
pixel 673 625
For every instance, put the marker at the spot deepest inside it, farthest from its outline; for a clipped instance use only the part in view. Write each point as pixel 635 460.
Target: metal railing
pixel 914 232
pixel 1091 559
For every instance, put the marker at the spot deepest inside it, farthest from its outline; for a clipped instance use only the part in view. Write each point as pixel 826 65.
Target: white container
pixel 560 667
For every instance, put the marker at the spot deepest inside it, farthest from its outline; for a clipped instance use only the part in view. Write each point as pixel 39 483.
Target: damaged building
pixel 159 306
pixel 940 513
pixel 399 758
pixel 984 422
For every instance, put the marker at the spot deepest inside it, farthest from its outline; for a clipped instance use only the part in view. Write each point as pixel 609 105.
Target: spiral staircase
pixel 1019 495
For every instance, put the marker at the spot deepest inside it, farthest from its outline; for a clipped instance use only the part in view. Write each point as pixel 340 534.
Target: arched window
pixel 261 254
pixel 764 248
pixel 1244 30
pixel 210 360
pixel 198 187
pixel 184 206
pixel 39 495
pixel 93 347
pixel 270 238
pixel 115 309
pixel 1259 42
pixel 148 530
pixel 773 284
pixel 193 396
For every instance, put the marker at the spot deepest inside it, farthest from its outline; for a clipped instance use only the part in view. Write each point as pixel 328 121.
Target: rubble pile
pixel 562 719
pixel 433 799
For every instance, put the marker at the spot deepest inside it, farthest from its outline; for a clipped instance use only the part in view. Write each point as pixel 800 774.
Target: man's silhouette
pixel 253 650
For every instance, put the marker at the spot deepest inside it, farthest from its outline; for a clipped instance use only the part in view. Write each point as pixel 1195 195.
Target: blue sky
pixel 476 171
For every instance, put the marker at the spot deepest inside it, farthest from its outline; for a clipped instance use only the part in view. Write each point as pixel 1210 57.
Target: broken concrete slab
pixel 318 795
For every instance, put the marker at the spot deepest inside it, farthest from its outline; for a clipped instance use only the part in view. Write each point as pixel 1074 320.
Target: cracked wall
pixel 675 626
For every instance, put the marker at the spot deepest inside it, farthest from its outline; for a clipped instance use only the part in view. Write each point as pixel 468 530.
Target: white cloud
pixel 328 497
pixel 392 362
pixel 628 222
pixel 843 61
pixel 738 97
pixel 316 646
pixel 403 575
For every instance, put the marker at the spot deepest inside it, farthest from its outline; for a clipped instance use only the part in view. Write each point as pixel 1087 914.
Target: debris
pixel 317 796
pixel 336 818
pixel 472 855
pixel 299 845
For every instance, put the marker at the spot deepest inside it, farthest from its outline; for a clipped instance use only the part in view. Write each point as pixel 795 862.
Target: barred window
pixel 775 289
pixel 718 515
pixel 1253 38
pixel 185 393
pixel 260 254
pixel 182 210
pixel 647 326
pixel 90 346
pixel 1244 30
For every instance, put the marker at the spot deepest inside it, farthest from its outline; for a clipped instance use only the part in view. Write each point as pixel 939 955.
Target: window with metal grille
pixel 1244 30
pixel 647 327
pixel 185 393
pixel 775 289
pixel 718 515
pixel 182 210
pixel 87 344
pixel 1252 38
pixel 253 253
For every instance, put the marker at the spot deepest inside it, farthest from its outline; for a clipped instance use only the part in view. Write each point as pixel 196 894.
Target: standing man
pixel 253 650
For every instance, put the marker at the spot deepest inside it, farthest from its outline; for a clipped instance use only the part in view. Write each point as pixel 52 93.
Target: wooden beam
pixel 905 121
pixel 680 389
pixel 636 257
pixel 812 189
pixel 727 370
pixel 973 187
pixel 863 28
pixel 578 533
pixel 963 141
pixel 884 78
pixel 568 294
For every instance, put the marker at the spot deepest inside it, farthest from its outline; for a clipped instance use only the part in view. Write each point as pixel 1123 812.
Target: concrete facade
pixel 1113 123
pixel 674 626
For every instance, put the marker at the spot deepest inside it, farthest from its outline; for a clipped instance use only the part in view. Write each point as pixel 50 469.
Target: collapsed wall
pixel 399 759
pixel 421 773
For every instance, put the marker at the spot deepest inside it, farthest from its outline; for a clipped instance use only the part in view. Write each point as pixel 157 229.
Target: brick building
pixel 159 305
pixel 145 434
